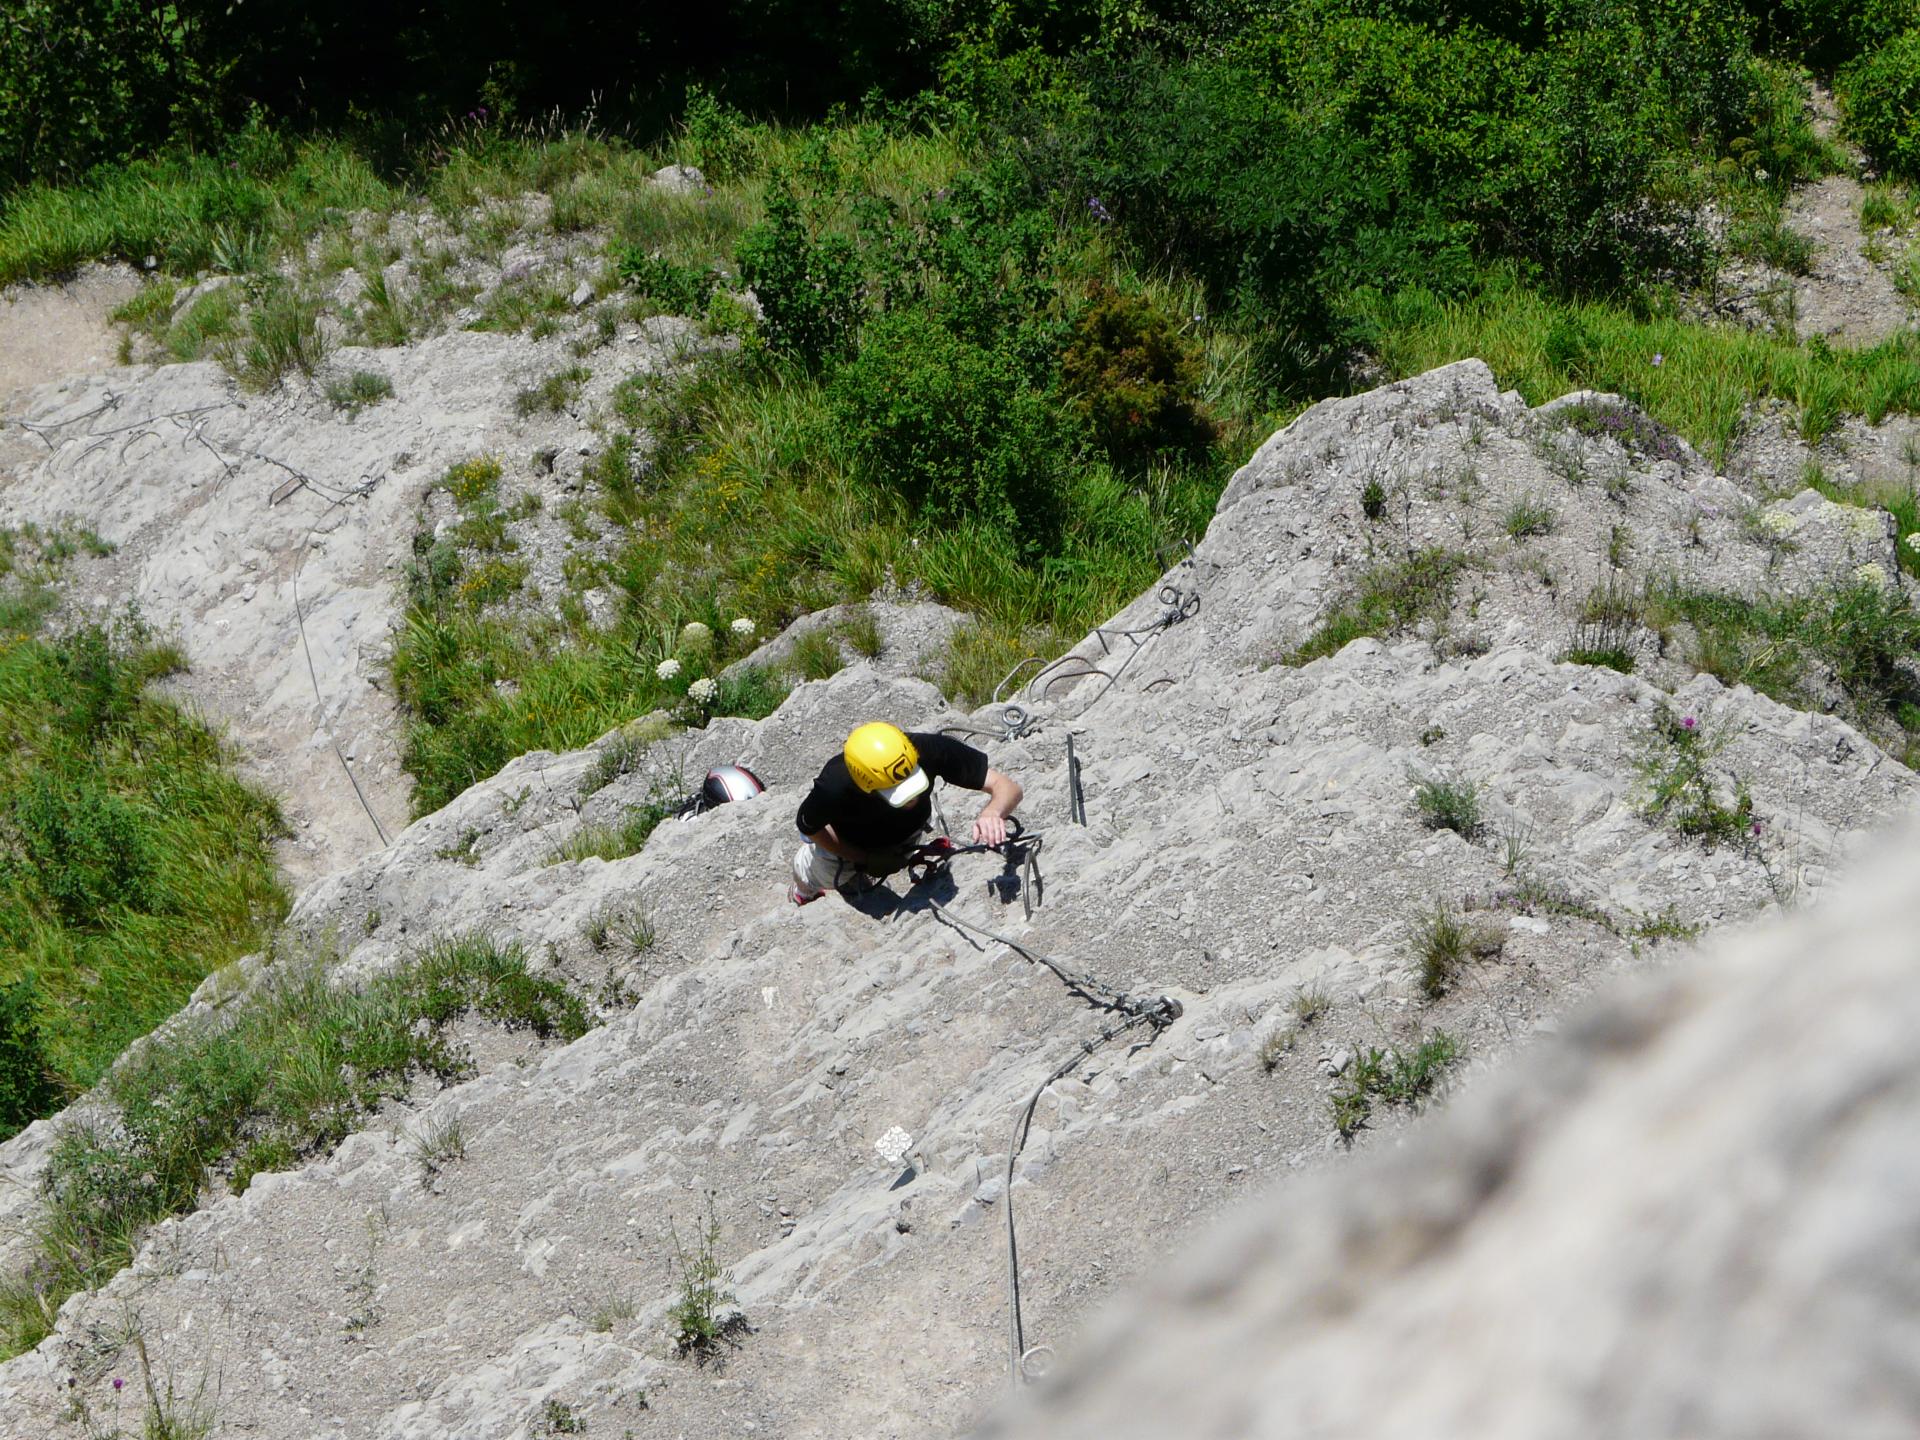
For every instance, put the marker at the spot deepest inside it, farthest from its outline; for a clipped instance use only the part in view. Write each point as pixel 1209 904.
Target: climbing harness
pixel 1128 1011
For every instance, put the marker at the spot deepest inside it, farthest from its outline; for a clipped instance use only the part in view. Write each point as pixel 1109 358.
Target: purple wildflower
pixel 1098 211
pixel 1658 358
pixel 1688 723
pixel 118 1383
pixel 1758 826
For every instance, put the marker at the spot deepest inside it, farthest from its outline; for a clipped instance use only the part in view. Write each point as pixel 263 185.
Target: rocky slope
pixel 268 533
pixel 1251 835
pixel 1689 1214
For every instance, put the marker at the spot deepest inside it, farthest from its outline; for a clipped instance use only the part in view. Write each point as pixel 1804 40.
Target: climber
pixel 871 804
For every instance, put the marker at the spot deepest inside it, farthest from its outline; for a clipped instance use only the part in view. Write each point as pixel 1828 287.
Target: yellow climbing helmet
pixel 882 761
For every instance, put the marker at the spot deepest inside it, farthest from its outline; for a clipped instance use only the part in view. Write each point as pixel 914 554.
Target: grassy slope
pixel 135 862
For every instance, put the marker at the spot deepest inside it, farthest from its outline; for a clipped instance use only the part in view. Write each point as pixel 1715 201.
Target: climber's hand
pixel 989 829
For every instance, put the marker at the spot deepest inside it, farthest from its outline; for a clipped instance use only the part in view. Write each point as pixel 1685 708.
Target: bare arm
pixel 1003 794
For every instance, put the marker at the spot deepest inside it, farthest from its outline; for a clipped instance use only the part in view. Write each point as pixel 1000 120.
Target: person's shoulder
pixel 951 759
pixel 833 774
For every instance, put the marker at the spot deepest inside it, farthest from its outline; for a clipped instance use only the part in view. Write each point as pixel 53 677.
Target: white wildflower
pixel 1871 574
pixel 1778 521
pixel 667 669
pixel 1760 175
pixel 1913 541
pixel 702 691
pixel 742 627
pixel 695 636
pixel 894 1145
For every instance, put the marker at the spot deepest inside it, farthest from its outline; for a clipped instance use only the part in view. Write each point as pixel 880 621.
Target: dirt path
pixel 49 332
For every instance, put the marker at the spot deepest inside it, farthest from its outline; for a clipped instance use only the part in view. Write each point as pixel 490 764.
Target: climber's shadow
pixel 883 902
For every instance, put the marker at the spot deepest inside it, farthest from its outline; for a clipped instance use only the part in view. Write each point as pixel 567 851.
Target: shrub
pixel 91 80
pixel 1130 376
pixel 956 428
pixel 677 289
pixel 1882 98
pixel 807 283
pixel 27 1090
pixel 90 849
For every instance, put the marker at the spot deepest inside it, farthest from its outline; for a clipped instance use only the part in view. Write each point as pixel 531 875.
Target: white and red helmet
pixel 727 783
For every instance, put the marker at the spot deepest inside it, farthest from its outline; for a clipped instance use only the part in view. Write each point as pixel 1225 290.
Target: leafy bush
pixel 677 289
pixel 955 427
pixel 1131 378
pixel 89 848
pixel 83 81
pixel 1882 98
pixel 807 281
pixel 132 861
pixel 27 1090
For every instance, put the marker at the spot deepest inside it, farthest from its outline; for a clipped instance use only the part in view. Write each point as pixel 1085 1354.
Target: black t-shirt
pixel 870 823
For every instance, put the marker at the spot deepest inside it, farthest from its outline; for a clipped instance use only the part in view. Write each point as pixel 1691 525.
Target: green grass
pixel 816 655
pixel 1443 941
pixel 285 1072
pixel 1705 377
pixel 615 841
pixel 1445 804
pixel 552 394
pixel 190 213
pixel 1529 515
pixel 140 863
pixel 1862 635
pixel 355 392
pixel 282 338
pixel 1609 624
pixel 1390 599
pixel 1392 1076
pixel 862 631
pixel 1765 236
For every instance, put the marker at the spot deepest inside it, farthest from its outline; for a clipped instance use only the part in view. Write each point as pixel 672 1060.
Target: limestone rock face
pixel 1691 1213
pixel 1251 842
pixel 238 516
